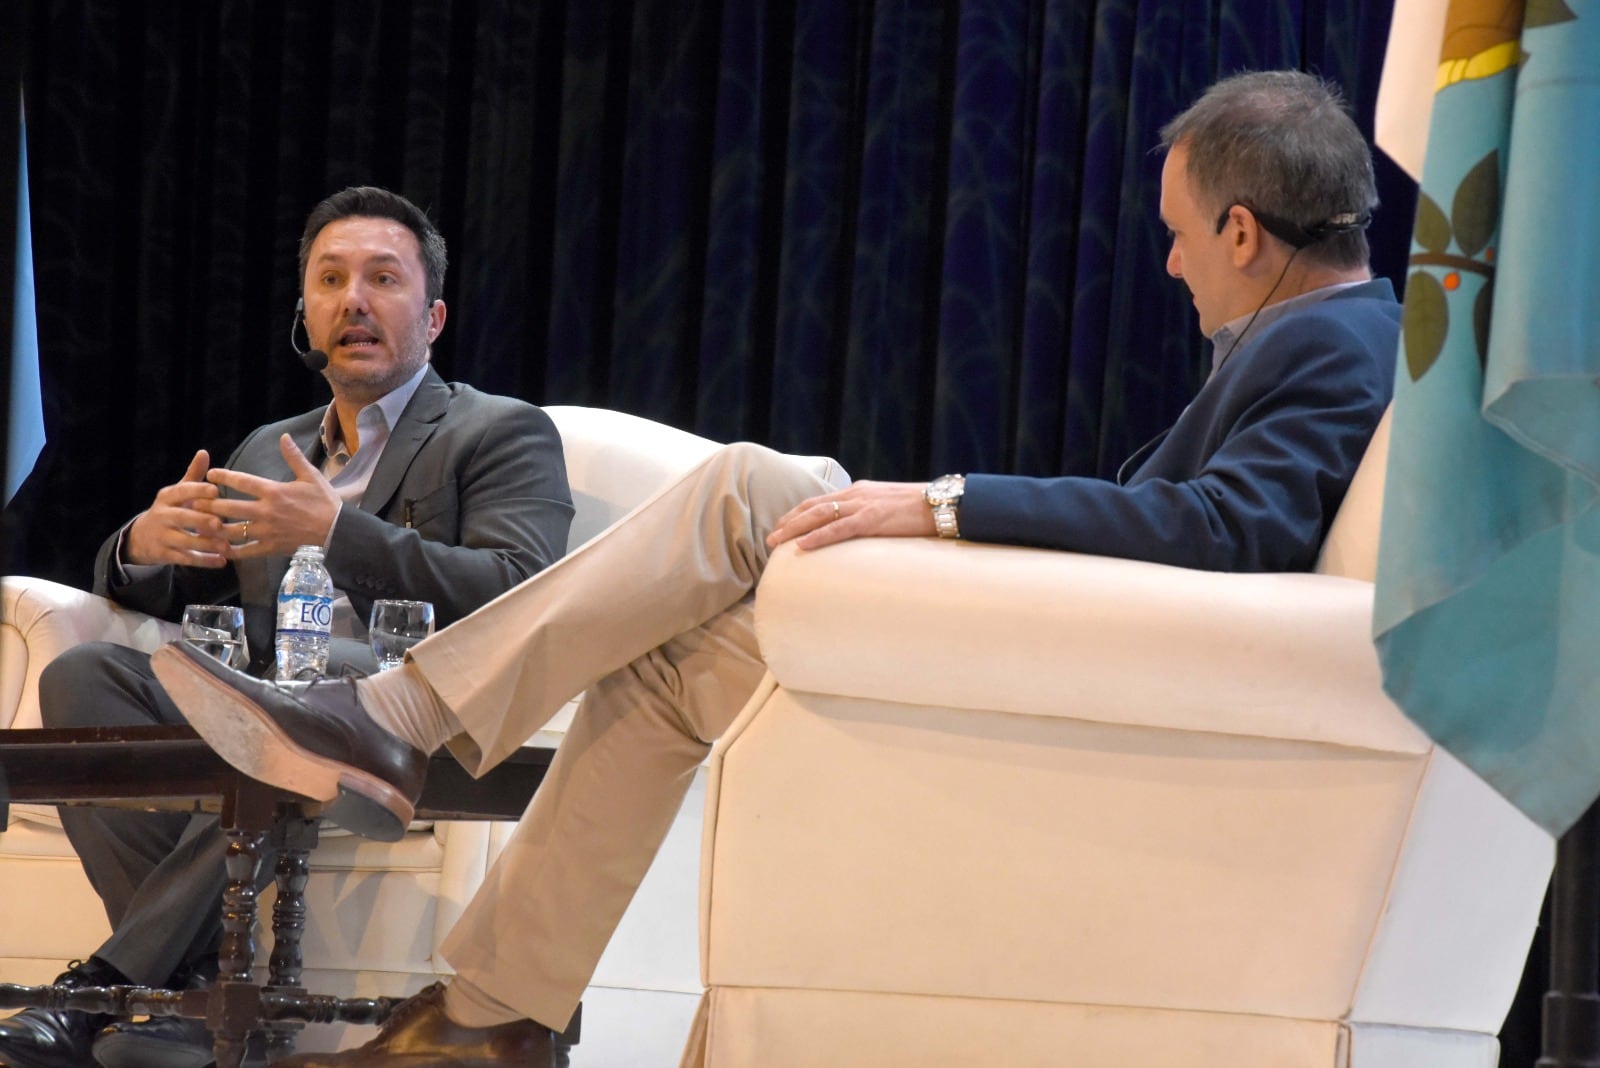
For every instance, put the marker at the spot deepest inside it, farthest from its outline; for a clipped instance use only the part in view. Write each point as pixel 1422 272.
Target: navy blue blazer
pixel 1251 474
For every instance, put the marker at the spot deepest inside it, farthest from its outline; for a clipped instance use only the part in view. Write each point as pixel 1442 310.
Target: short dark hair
pixel 368 201
pixel 1281 143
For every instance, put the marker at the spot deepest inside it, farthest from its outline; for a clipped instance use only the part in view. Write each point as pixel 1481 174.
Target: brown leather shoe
pixel 419 1035
pixel 316 741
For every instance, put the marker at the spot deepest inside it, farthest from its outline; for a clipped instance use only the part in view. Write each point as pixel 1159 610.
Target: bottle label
pixel 304 615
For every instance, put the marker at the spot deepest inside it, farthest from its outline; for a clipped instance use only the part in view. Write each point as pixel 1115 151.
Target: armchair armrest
pixel 1046 633
pixel 1050 795
pixel 41 619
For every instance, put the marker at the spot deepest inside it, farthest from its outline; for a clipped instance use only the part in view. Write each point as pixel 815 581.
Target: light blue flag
pixel 25 437
pixel 1488 600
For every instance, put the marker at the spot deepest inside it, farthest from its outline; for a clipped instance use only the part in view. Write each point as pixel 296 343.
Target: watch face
pixel 944 489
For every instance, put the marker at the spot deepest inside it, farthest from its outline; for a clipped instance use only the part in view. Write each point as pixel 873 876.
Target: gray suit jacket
pixel 469 499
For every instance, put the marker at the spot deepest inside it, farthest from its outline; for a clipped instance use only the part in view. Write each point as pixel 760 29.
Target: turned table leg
pixel 295 837
pixel 234 1008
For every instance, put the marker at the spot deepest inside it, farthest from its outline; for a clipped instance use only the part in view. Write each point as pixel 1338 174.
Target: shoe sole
pixel 244 735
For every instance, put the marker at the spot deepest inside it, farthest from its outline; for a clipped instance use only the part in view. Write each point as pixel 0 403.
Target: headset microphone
pixel 314 359
pixel 1295 235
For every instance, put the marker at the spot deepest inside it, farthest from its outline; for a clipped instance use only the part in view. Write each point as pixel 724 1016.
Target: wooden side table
pixel 170 767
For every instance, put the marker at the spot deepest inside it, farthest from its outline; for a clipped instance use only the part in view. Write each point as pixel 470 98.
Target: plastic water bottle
pixel 305 615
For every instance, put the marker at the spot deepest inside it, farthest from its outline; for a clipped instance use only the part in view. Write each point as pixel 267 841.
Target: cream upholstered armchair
pixel 378 912
pixel 1005 806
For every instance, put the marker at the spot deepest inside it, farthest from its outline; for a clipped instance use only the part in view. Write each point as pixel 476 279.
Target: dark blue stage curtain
pixel 918 236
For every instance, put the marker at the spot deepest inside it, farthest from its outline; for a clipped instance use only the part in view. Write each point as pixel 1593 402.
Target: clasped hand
pixel 191 523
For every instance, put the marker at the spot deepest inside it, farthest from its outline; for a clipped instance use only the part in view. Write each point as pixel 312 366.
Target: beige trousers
pixel 653 618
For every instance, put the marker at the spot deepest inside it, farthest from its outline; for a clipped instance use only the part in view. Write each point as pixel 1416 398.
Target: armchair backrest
pixel 1351 548
pixel 616 461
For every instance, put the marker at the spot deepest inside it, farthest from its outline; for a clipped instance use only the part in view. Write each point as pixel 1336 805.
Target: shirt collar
pixel 1227 337
pixel 387 407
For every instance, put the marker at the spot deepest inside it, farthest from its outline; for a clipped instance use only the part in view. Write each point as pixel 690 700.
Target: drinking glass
pixel 218 631
pixel 395 627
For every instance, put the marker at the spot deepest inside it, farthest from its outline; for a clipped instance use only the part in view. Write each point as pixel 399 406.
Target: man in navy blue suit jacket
pixel 1305 340
pixel 1266 189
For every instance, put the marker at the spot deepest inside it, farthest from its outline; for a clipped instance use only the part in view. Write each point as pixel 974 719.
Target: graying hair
pixel 1282 143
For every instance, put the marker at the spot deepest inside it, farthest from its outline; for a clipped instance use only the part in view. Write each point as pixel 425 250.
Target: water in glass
pixel 395 627
pixel 218 631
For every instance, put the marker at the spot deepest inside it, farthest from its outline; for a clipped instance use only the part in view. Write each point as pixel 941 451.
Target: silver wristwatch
pixel 943 495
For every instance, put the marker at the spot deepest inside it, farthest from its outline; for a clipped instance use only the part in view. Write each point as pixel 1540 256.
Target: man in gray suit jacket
pixel 414 487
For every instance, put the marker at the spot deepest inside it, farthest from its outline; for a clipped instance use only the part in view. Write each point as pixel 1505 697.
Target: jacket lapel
pixel 416 425
pixel 308 440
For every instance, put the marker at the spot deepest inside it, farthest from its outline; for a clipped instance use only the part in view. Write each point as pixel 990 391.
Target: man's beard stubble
pixel 366 388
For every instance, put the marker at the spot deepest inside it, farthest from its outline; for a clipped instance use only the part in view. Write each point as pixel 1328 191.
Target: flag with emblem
pixel 1487 616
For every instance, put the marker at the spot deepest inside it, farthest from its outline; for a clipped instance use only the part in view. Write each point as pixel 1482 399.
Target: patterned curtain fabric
pixel 919 236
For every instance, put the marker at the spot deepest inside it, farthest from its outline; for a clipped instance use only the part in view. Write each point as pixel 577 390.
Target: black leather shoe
pixel 167 1042
pixel 162 1041
pixel 159 1042
pixel 45 1038
pixel 317 742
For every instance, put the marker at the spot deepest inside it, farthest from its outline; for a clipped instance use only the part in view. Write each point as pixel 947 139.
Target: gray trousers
pixel 160 875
